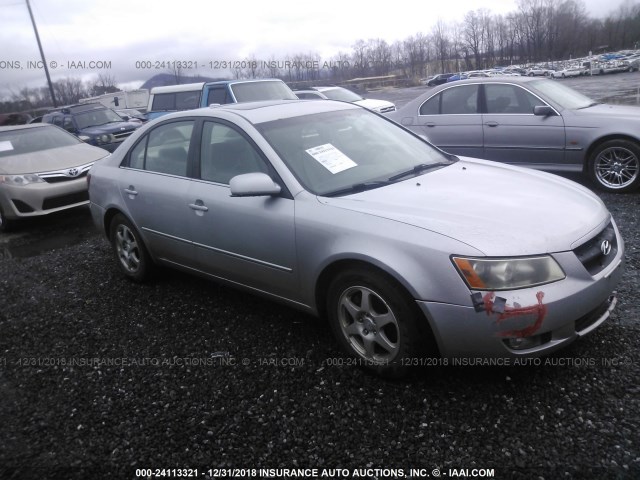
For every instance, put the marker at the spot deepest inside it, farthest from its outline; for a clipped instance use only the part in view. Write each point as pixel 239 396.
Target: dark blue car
pixel 93 123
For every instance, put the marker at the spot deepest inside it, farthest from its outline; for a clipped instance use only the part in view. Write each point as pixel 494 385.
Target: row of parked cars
pixel 408 249
pixel 624 61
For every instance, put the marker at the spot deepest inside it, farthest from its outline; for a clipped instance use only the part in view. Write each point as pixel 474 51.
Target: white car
pixel 572 71
pixel 344 95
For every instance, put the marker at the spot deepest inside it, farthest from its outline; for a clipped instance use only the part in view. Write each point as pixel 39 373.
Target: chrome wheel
pixel 616 167
pixel 368 324
pixel 127 249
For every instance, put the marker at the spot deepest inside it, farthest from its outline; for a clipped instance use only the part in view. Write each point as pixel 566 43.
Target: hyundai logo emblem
pixel 605 247
pixel 73 172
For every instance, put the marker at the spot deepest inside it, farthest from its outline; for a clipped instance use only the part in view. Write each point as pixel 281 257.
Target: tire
pixel 375 321
pixel 130 253
pixel 6 225
pixel 614 166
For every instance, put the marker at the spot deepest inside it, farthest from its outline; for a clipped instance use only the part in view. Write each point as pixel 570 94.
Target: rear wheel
pixel 614 166
pixel 131 255
pixel 375 321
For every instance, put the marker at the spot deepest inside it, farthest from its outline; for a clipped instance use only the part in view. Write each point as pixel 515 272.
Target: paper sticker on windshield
pixel 5 146
pixel 331 158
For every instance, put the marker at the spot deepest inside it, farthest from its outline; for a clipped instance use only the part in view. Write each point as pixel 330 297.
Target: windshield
pixel 562 95
pixel 332 151
pixel 29 140
pixel 257 91
pixel 341 94
pixel 96 117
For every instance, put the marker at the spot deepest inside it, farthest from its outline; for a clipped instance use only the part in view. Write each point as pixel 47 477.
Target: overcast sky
pixel 123 32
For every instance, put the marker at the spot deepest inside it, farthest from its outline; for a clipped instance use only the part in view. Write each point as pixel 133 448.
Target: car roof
pixel 77 108
pixel 324 89
pixel 266 111
pixel 412 105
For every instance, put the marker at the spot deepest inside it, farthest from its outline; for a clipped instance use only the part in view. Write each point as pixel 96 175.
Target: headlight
pixel 20 180
pixel 102 139
pixel 507 273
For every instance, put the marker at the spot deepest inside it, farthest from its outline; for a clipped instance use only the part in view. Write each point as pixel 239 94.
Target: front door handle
pixel 491 123
pixel 199 206
pixel 429 124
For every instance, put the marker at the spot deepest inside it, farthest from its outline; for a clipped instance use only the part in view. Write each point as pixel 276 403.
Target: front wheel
pixel 375 321
pixel 130 253
pixel 5 224
pixel 614 166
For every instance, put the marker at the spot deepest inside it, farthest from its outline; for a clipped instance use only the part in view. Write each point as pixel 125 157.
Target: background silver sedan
pixel 342 213
pixel 43 169
pixel 532 122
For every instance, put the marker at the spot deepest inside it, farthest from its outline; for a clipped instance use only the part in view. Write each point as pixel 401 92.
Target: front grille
pixel 598 252
pixel 63 200
pixel 120 137
pixel 63 178
pixel 57 176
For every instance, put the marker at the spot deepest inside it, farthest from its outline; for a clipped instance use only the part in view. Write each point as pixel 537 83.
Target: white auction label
pixel 331 158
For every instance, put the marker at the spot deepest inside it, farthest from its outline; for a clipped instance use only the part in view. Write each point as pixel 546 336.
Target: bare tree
pixel 441 42
pixel 69 90
pixel 105 83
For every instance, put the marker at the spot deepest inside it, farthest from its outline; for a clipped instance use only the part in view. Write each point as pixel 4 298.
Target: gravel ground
pixel 100 377
pixel 218 378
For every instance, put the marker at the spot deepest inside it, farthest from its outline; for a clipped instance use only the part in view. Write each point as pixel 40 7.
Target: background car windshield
pixel 256 91
pixel 341 94
pixel 97 117
pixel 562 95
pixel 29 140
pixel 335 150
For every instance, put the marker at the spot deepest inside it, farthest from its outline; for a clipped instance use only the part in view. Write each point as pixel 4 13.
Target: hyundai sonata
pixel 335 210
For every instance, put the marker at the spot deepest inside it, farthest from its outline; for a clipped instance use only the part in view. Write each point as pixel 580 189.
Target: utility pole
pixel 44 62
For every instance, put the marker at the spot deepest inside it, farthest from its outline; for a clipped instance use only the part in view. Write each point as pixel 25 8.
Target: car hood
pixel 373 104
pixel 499 210
pixel 607 110
pixel 52 159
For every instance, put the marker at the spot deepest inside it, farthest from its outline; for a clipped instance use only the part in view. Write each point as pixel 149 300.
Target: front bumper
pixel 42 198
pixel 544 318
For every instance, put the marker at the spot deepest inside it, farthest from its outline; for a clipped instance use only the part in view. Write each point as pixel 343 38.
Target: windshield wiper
pixel 421 167
pixel 592 104
pixel 357 187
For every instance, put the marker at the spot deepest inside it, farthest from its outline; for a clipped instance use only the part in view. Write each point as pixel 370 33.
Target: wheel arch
pixel 595 144
pixel 330 271
pixel 333 269
pixel 108 218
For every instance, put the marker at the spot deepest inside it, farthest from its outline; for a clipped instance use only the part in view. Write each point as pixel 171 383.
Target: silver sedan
pixel 335 210
pixel 531 122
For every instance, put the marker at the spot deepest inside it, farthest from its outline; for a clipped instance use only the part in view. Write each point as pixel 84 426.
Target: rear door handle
pixel 430 124
pixel 491 124
pixel 131 191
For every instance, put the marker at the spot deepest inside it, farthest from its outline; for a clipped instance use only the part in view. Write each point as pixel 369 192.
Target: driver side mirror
pixel 543 111
pixel 253 185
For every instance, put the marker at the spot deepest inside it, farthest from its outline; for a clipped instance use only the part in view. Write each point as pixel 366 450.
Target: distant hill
pixel 163 79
